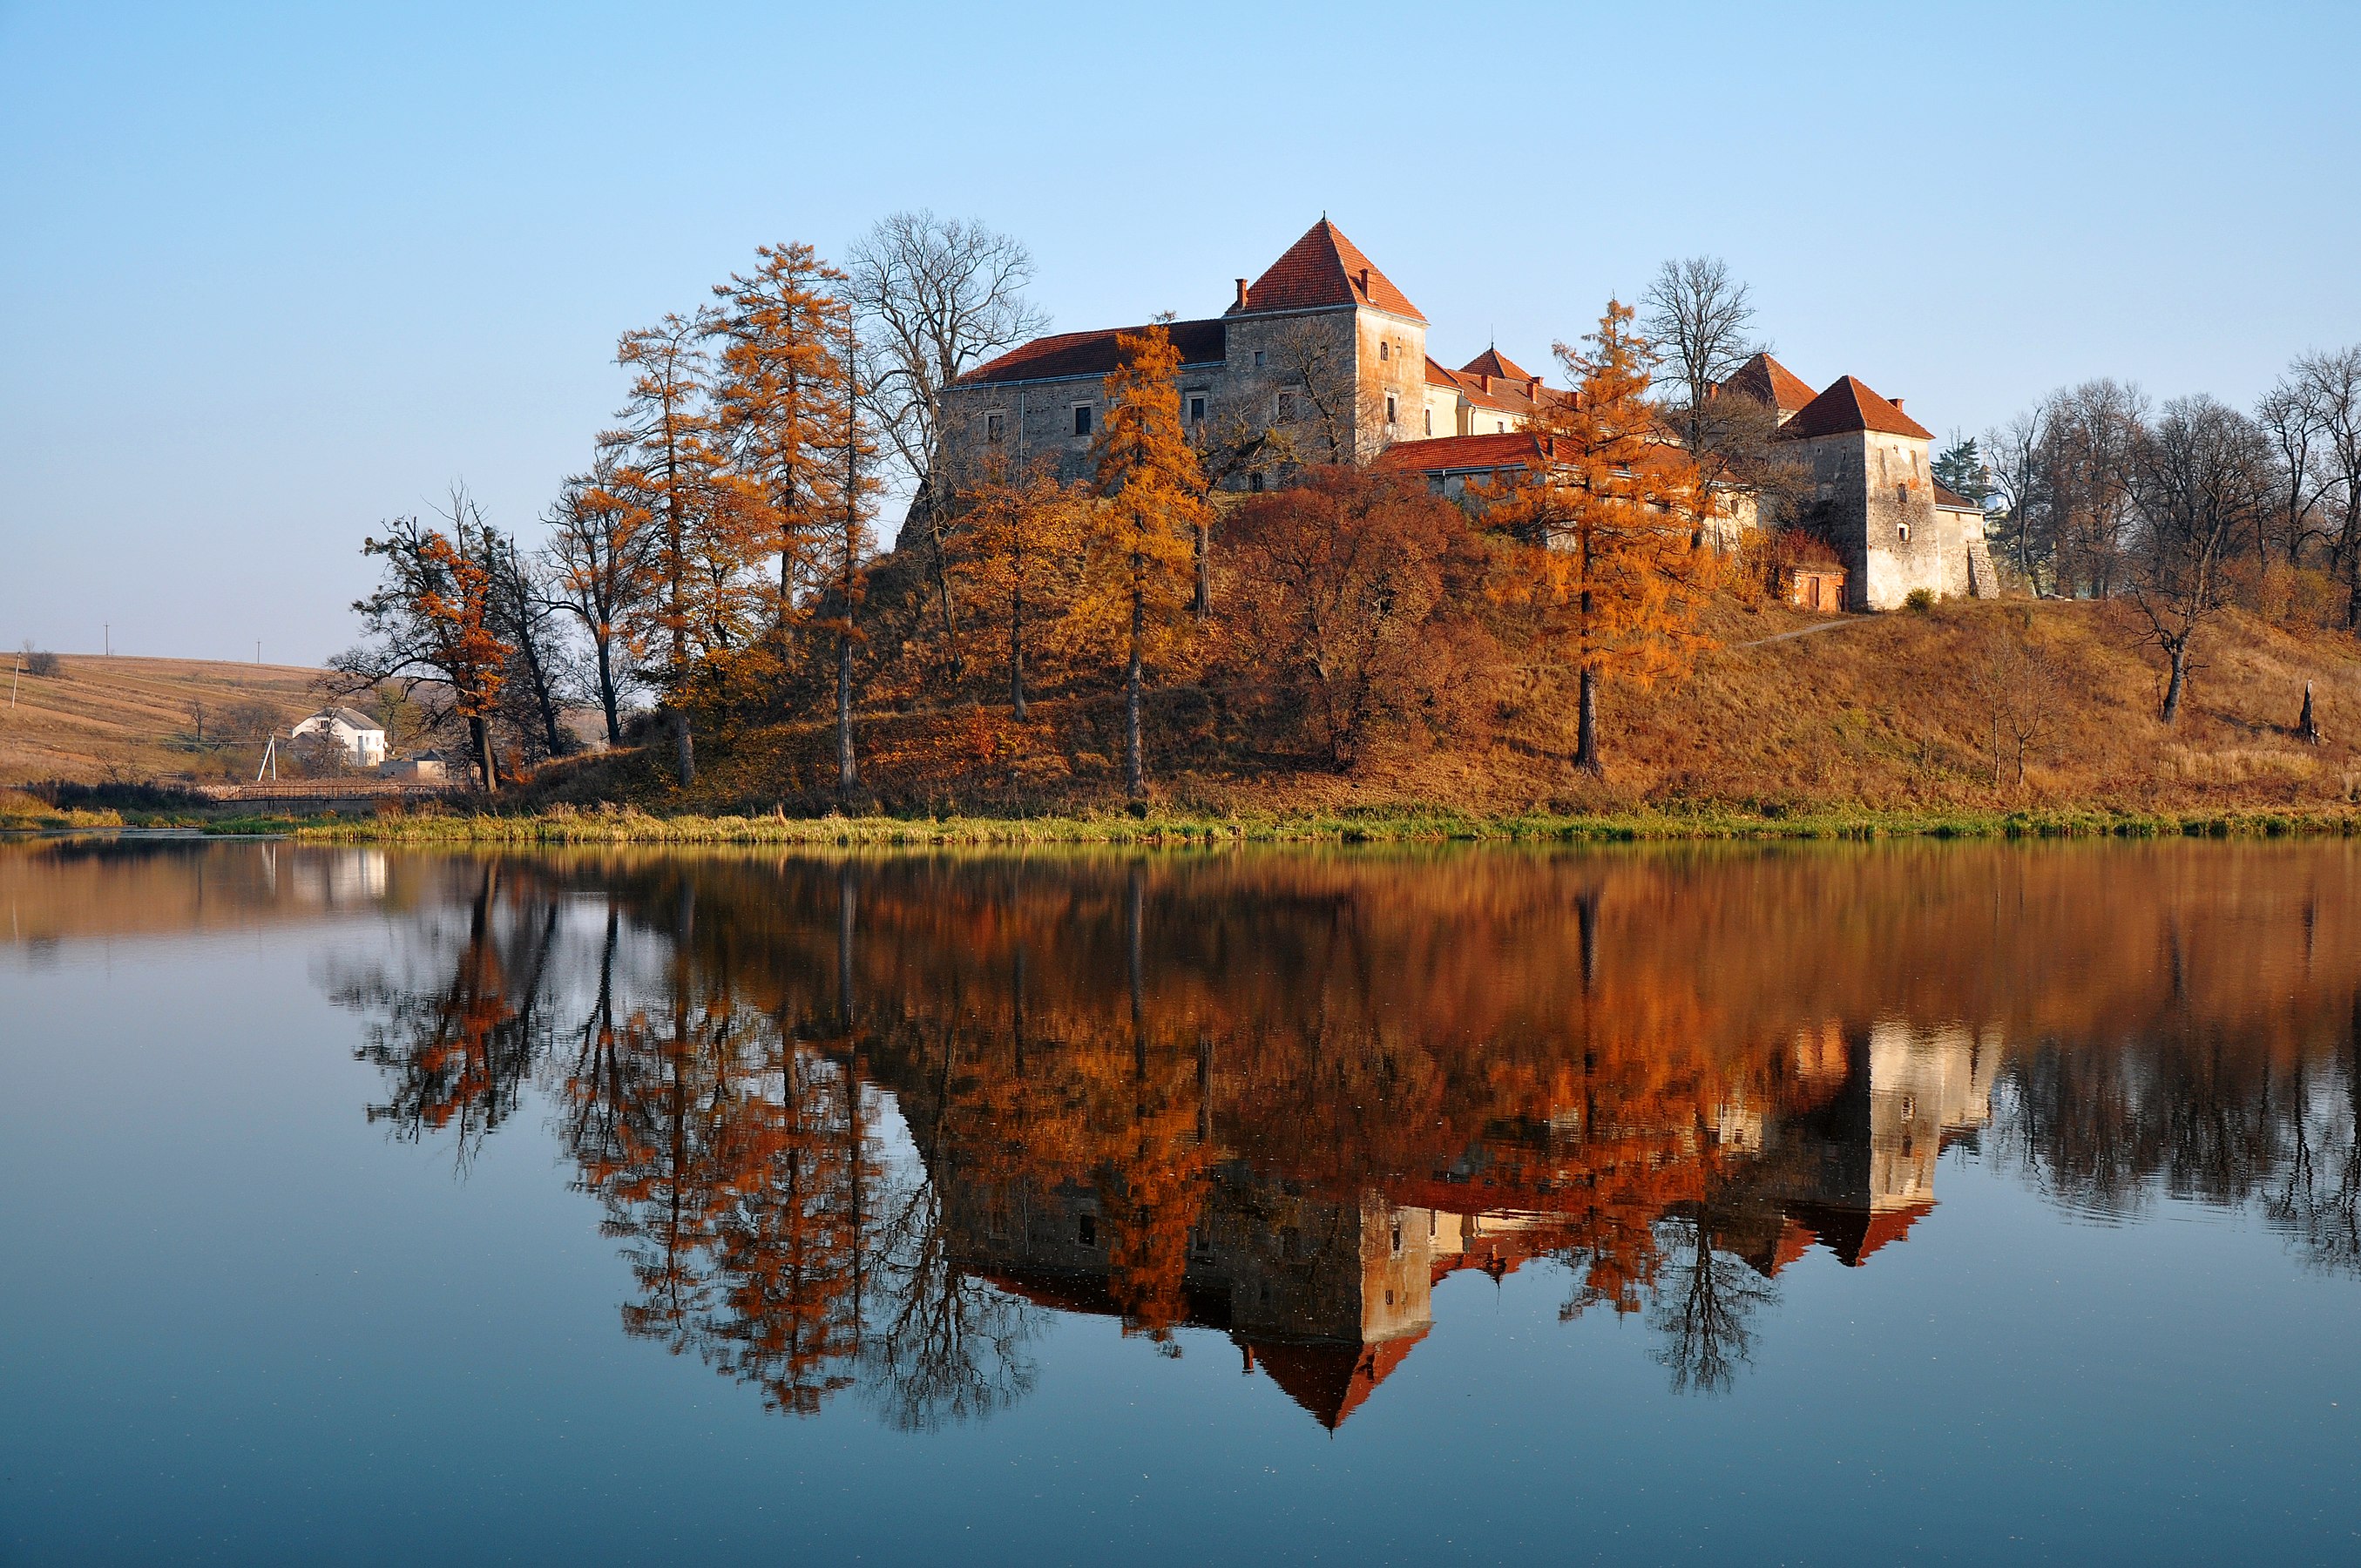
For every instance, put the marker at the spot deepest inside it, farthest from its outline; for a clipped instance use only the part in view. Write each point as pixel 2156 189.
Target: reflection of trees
pixel 1530 1037
pixel 2196 1116
pixel 1707 1296
pixel 458 1050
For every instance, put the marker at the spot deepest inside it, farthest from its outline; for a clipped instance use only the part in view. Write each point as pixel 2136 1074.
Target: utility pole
pixel 107 638
pixel 18 671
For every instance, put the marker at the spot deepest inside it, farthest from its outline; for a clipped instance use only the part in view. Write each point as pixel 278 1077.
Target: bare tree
pixel 1322 407
pixel 2018 688
pixel 2200 476
pixel 524 610
pixel 2018 452
pixel 1698 318
pixel 933 297
pixel 2330 385
pixel 603 569
pixel 2093 429
pixel 2287 415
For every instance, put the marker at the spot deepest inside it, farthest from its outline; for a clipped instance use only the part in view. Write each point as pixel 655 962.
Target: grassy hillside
pixel 121 719
pixel 1884 714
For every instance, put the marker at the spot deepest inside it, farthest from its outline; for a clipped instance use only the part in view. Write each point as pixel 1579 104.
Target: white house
pixel 362 736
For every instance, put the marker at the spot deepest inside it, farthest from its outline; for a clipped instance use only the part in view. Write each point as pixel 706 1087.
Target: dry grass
pixel 1881 715
pixel 106 720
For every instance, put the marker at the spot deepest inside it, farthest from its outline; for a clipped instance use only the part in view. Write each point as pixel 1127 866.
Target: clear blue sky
pixel 268 275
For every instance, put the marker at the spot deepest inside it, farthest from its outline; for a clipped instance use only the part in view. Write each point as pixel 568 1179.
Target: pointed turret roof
pixel 1492 362
pixel 1766 380
pixel 1330 1379
pixel 1324 268
pixel 1849 405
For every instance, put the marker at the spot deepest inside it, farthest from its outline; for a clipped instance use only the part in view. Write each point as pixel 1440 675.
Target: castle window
pixel 1254 483
pixel 1086 1229
pixel 1286 406
pixel 1904 532
pixel 1258 359
pixel 1196 408
pixel 1389 408
pixel 992 428
pixel 1081 419
pixel 1499 427
pixel 1902 495
pixel 1385 349
pixel 1430 421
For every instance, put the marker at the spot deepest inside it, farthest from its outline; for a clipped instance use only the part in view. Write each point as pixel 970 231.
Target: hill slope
pixel 124 718
pixel 1894 713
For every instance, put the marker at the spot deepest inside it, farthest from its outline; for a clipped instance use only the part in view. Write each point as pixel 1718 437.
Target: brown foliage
pixel 1345 589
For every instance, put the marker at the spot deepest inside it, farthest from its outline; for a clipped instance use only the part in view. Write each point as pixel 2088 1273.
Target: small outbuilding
pixel 359 737
pixel 1817 586
pixel 427 767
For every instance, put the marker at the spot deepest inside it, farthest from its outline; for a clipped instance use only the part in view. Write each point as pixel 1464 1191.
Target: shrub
pixel 1919 601
pixel 41 661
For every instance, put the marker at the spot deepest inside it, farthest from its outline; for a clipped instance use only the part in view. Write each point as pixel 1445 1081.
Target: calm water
pixel 1817 1205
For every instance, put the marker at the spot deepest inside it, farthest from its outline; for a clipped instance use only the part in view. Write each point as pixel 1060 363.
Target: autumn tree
pixel 1142 535
pixel 781 382
pixel 1342 587
pixel 600 560
pixel 1608 516
pixel 669 460
pixel 1020 535
pixel 431 621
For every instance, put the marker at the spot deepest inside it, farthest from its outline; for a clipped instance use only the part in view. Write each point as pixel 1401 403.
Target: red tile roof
pixel 1766 380
pixel 1517 449
pixel 1492 362
pixel 1504 393
pixel 1094 353
pixel 1947 496
pixel 1849 405
pixel 1324 268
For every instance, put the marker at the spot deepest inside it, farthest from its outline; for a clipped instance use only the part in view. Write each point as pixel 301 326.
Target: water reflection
pixel 859 1126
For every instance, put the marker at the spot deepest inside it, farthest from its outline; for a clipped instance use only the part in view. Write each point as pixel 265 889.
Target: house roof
pixel 1492 362
pixel 1766 380
pixel 1324 268
pixel 1095 354
pixel 1947 496
pixel 1331 1380
pixel 1516 449
pixel 1503 392
pixel 1849 405
pixel 350 718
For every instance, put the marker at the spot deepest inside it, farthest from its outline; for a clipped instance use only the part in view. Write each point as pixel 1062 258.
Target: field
pixel 118 718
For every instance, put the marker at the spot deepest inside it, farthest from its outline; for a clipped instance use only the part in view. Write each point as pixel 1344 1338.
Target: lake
pixel 1809 1203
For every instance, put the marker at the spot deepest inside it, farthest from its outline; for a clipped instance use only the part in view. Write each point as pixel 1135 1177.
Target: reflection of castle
pixel 1869 1152
pixel 1328 1297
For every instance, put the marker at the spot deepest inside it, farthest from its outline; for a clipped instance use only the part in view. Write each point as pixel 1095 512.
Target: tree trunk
pixel 684 751
pixel 1017 653
pixel 1201 606
pixel 480 733
pixel 1134 771
pixel 1585 734
pixel 848 778
pixel 608 701
pixel 2180 680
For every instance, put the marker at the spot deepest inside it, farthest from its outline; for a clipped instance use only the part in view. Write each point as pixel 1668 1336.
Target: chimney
pixel 1534 387
pixel 1365 282
pixel 1896 402
pixel 1242 294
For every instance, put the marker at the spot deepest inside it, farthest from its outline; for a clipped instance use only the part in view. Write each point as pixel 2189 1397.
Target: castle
pixel 1322 358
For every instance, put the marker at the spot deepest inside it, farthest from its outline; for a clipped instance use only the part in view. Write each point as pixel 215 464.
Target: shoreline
pixel 1379 826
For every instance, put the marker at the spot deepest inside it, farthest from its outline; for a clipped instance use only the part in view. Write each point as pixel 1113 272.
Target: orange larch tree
pixel 777 401
pixel 430 621
pixel 1610 516
pixel 1143 535
pixel 1018 535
